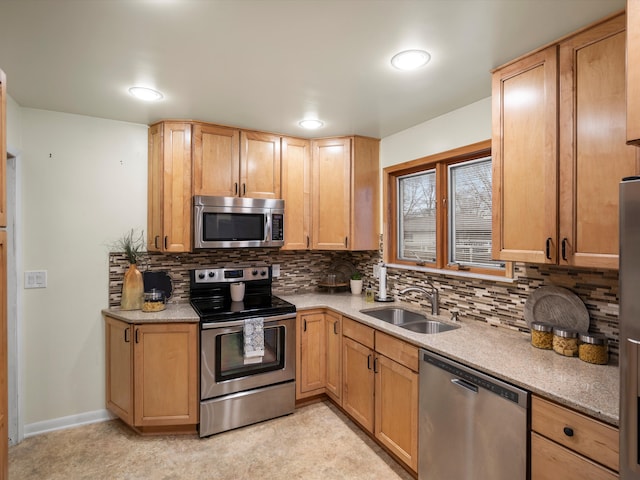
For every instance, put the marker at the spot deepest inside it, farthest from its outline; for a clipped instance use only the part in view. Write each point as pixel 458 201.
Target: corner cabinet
pixel 633 72
pixel 152 375
pixel 345 185
pixel 169 188
pixel 559 151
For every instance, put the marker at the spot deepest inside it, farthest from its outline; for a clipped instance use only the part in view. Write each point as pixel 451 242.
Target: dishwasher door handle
pixel 461 383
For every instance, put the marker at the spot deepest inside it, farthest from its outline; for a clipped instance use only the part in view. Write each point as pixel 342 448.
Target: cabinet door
pixel 524 149
pixel 169 187
pixel 358 382
pixel 312 363
pixel 296 192
pixel 216 160
pixel 259 165
pixel 633 71
pixel 4 407
pixel 333 324
pixel 119 352
pixel 3 149
pixel 593 154
pixel 396 412
pixel 166 374
pixel 550 461
pixel 331 163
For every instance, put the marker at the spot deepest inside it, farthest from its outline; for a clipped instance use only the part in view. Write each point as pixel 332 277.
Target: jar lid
pixel 593 338
pixel 541 327
pixel 565 332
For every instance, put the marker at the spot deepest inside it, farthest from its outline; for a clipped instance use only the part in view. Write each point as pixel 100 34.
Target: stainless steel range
pixel 241 385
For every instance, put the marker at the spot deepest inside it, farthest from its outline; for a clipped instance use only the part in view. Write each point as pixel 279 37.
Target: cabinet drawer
pixel 357 331
pixel 550 461
pixel 395 349
pixel 590 437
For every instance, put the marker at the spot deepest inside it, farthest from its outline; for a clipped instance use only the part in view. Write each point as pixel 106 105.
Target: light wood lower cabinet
pixel 380 388
pixel 152 375
pixel 568 445
pixel 333 339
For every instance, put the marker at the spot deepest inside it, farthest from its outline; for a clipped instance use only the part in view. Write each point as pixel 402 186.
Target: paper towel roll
pixel 382 290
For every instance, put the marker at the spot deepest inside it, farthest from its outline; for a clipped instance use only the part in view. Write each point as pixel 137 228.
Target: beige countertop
pixel 505 354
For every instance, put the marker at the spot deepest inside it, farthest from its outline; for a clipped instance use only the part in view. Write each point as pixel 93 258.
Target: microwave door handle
pixel 267 229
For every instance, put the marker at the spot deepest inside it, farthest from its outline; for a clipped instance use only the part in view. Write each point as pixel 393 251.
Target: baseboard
pixel 71 421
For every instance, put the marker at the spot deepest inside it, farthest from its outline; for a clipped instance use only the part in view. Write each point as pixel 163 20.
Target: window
pixel 440 211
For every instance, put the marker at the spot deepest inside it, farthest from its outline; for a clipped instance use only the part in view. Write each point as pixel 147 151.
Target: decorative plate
pixel 556 306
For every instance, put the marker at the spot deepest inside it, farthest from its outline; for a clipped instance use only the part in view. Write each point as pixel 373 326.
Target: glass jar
pixel 542 335
pixel 593 348
pixel 565 341
pixel 153 301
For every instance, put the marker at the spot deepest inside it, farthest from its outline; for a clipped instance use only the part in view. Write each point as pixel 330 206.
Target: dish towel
pixel 253 340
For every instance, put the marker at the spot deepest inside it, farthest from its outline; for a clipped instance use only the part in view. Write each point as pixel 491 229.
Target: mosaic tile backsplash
pixel 496 303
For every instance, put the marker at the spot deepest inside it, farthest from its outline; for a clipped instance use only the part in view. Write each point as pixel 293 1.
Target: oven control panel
pixel 230 275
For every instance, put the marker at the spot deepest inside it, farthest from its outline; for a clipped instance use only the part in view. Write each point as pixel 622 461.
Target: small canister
pixel 565 341
pixel 593 348
pixel 542 335
pixel 153 301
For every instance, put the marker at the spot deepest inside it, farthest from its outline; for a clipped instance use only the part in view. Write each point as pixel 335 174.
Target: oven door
pixel 223 369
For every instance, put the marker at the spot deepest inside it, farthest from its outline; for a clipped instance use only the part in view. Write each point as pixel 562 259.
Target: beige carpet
pixel 316 442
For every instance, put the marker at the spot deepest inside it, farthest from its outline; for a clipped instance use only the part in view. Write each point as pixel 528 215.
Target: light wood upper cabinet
pixel 259 165
pixel 3 149
pixel 345 193
pixel 169 187
pixel 559 151
pixel 216 160
pixel 524 150
pixel 296 193
pixel 633 72
pixel 594 156
pixel 152 375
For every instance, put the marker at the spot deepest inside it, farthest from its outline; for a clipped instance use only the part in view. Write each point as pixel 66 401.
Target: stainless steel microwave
pixel 237 222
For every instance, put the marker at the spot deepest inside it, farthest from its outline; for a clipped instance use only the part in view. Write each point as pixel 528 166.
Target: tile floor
pixel 315 442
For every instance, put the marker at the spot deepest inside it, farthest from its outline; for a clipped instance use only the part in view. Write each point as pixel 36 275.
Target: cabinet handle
pixel 304 329
pixel 346 242
pixel 548 248
pixel 235 187
pixel 335 328
pixel 126 335
pixel 564 249
pixel 369 362
pixel 244 189
pixel 166 241
pixel 568 431
pixel 155 241
pixel 307 241
pixel 375 365
pixel 137 335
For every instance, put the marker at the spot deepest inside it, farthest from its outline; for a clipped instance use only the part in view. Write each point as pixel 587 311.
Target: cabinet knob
pixel 568 431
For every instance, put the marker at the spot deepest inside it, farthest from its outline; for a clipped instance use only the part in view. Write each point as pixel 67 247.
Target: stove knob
pixel 201 275
pixel 263 273
pixel 212 274
pixel 254 272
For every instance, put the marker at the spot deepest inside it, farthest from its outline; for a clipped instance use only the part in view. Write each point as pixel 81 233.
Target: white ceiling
pixel 266 64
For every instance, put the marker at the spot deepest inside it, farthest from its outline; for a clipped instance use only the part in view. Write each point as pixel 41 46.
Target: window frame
pixel 441 162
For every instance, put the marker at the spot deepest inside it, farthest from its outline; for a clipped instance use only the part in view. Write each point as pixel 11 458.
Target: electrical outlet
pixel 35 279
pixel 275 270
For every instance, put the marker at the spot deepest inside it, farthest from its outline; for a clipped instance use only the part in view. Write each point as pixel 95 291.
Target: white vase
pixel 356 286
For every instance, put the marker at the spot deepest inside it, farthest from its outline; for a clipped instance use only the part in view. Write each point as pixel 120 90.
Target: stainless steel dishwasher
pixel 472 426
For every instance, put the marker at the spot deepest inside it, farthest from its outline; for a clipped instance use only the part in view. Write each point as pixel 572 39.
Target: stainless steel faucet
pixel 432 296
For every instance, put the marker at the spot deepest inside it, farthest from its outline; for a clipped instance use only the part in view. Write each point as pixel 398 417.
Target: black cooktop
pixel 221 308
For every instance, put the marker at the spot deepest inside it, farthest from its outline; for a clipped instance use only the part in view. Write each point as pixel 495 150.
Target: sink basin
pixel 429 326
pixel 409 320
pixel 394 315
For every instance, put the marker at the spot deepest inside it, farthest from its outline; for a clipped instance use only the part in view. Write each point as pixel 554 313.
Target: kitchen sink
pixel 415 322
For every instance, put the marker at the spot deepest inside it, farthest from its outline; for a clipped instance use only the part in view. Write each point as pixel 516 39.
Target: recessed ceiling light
pixel 410 59
pixel 310 124
pixel 144 93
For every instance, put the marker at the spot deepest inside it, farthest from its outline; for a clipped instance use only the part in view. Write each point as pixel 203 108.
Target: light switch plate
pixel 275 270
pixel 35 279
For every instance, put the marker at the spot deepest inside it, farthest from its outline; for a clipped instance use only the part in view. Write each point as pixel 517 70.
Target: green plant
pixel 356 276
pixel 131 244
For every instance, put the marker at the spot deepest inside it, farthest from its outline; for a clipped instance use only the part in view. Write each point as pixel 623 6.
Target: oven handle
pixel 240 323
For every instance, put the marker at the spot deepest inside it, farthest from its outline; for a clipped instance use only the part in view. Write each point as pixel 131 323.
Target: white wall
pixel 467 125
pixel 84 184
